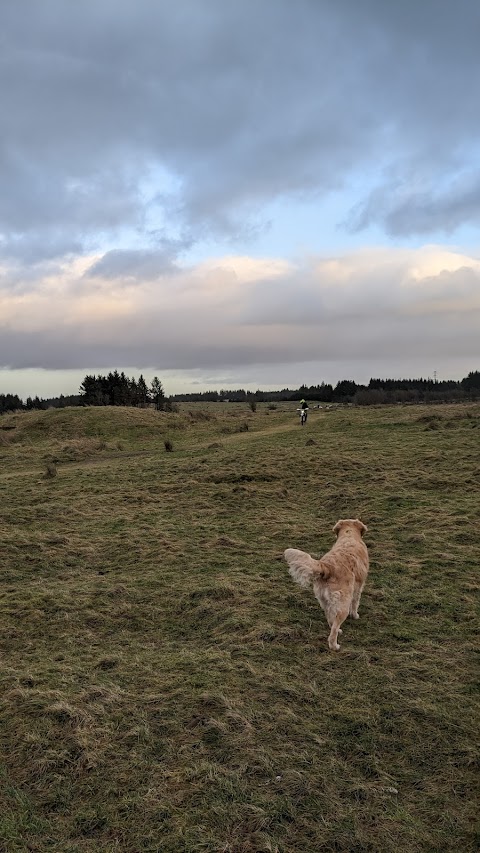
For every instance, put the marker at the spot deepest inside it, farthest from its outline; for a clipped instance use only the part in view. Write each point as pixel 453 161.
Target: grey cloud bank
pixel 241 311
pixel 188 116
pixel 135 133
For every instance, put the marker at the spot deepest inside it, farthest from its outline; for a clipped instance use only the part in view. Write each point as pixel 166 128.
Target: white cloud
pixel 237 312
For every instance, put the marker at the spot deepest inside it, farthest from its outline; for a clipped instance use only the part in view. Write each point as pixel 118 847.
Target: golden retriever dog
pixel 338 577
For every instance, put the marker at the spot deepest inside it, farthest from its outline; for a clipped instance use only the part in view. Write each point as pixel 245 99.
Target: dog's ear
pixel 338 525
pixel 361 526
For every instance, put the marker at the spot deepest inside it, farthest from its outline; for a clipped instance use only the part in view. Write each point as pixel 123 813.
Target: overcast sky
pixel 238 193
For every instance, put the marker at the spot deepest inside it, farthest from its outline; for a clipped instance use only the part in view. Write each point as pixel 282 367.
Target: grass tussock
pixel 50 470
pixel 166 687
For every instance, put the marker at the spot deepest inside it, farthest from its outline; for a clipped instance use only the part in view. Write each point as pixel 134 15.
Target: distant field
pixel 166 687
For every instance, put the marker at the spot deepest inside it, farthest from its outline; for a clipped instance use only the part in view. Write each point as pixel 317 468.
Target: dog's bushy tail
pixel 303 568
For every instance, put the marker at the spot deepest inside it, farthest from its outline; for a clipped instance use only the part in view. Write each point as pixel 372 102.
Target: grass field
pixel 165 686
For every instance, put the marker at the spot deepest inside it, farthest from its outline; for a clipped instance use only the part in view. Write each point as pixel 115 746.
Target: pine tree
pixel 142 393
pixel 157 394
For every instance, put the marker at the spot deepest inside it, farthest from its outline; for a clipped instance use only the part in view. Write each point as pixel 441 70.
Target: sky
pixel 238 193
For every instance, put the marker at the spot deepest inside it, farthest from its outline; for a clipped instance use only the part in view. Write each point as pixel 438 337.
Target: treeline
pixel 117 389
pixel 114 389
pixel 347 391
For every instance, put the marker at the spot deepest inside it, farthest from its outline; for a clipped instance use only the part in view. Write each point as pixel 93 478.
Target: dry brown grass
pixel 165 687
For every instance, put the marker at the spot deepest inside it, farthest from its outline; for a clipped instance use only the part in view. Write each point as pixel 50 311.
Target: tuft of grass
pixel 166 686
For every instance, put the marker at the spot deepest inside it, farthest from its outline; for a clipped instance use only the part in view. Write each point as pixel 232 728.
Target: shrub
pixel 168 445
pixel 201 415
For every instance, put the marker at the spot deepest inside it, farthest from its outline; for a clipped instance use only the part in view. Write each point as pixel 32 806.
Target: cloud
pixel 137 136
pixel 182 121
pixel 236 312
pixel 133 264
pixel 407 208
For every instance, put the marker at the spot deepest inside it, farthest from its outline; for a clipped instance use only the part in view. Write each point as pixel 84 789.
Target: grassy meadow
pixel 166 687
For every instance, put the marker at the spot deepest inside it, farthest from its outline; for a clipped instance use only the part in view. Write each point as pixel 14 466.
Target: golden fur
pixel 338 577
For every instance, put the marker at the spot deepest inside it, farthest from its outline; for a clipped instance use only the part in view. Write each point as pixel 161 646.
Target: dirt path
pixel 94 462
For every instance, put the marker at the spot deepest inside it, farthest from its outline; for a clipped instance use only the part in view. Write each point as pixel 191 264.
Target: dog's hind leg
pixel 335 630
pixel 335 609
pixel 336 615
pixel 357 592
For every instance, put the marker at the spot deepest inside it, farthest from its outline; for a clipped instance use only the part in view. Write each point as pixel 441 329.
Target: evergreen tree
pixel 92 392
pixel 124 391
pixel 345 390
pixel 142 393
pixel 471 384
pixel 10 403
pixel 157 394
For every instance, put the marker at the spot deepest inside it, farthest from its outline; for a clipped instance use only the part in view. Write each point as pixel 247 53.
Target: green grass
pixel 165 686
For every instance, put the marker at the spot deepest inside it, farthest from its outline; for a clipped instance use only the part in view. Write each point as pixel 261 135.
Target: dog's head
pixel 350 524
